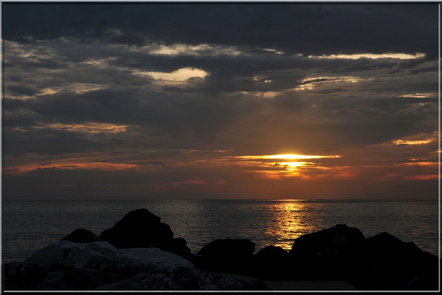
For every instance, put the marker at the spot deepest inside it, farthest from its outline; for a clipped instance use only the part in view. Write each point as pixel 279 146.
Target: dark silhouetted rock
pixel 226 256
pixel 272 263
pixel 326 254
pixel 228 249
pixel 81 235
pixel 328 241
pixel 141 228
pixel 177 246
pixel 273 253
pixel 249 283
pixel 160 281
pixel 138 228
pixel 384 262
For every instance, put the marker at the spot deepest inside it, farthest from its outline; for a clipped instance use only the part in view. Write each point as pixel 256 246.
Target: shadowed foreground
pixel 140 253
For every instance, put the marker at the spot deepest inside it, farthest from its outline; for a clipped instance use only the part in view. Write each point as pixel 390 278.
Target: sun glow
pixel 290 166
pixel 285 165
pixel 288 222
pixel 288 157
pixel 297 157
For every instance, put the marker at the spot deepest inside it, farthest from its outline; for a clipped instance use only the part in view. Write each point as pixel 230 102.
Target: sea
pixel 30 225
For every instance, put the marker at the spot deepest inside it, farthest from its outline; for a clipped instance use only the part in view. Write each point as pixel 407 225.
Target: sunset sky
pixel 309 101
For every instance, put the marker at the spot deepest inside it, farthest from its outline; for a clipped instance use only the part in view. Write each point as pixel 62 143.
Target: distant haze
pixel 309 101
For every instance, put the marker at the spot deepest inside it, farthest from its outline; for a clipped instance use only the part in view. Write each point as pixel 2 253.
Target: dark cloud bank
pixel 150 83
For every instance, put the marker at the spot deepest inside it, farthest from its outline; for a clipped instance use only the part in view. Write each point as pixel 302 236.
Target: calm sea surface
pixel 30 225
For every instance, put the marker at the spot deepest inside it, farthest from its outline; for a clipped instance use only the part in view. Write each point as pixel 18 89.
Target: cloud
pixel 367 26
pixel 419 95
pixel 92 128
pixel 158 92
pixel 370 56
pixel 179 77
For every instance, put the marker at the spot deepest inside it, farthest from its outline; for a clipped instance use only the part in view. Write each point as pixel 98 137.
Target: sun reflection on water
pixel 289 223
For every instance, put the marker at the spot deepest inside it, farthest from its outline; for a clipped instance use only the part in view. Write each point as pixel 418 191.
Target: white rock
pixel 144 281
pixel 153 259
pixel 49 255
pixel 157 270
pixel 97 255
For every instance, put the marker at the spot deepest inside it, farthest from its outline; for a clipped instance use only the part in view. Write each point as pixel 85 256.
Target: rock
pixel 100 256
pixel 177 246
pixel 144 281
pixel 385 262
pixel 138 228
pixel 19 278
pixel 142 229
pixel 332 241
pixel 272 253
pixel 326 254
pixel 249 283
pixel 78 279
pixel 65 265
pixel 159 281
pixel 47 256
pixel 216 281
pixel 226 256
pixel 228 249
pixel 81 235
pixel 34 272
pixel 153 259
pixel 272 263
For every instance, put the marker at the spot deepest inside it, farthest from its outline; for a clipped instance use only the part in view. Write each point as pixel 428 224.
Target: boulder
pixel 333 241
pixel 272 253
pixel 385 262
pixel 177 246
pixel 200 280
pixel 62 265
pixel 100 256
pixel 226 256
pixel 216 281
pixel 47 256
pixel 81 235
pixel 144 281
pixel 65 265
pixel 228 249
pixel 153 259
pixel 249 283
pixel 142 229
pixel 272 263
pixel 326 254
pixel 77 279
pixel 138 228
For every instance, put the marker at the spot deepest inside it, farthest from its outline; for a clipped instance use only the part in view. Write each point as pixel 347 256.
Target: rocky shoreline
pixel 140 253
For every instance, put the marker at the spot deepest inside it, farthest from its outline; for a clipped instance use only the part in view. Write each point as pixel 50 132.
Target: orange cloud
pixel 419 139
pixel 422 177
pixel 91 128
pixel 71 166
pixel 425 164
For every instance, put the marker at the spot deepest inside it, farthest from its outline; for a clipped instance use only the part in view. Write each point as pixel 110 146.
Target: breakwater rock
pixel 65 265
pixel 140 253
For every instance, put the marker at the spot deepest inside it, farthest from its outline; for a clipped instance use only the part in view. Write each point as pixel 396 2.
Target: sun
pixel 285 165
pixel 298 157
